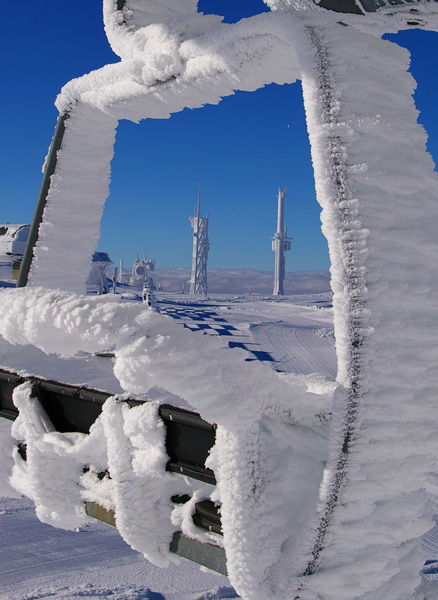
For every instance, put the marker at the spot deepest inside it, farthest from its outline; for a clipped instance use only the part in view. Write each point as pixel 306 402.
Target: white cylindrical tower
pixel 281 243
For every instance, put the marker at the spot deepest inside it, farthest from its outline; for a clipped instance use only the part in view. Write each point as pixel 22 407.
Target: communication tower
pixel 280 244
pixel 201 245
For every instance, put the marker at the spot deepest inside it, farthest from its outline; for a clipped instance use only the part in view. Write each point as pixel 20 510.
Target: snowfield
pixel 39 561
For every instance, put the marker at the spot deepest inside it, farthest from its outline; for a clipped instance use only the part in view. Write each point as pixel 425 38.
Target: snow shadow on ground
pixel 208 321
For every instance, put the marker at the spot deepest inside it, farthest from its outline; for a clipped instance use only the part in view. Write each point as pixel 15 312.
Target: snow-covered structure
pixel 13 240
pixel 201 246
pixel 298 520
pixel 140 272
pixel 97 282
pixel 280 245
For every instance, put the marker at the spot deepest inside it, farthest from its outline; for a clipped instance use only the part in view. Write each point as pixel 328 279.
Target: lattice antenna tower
pixel 201 245
pixel 280 244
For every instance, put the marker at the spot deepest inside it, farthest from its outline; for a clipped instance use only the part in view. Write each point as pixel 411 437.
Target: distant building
pixel 141 270
pixel 13 240
pixel 139 274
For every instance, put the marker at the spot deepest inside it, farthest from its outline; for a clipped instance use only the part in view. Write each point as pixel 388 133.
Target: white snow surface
pixel 93 562
pixel 150 350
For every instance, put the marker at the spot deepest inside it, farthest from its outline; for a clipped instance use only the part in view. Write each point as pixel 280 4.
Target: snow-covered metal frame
pixel 377 188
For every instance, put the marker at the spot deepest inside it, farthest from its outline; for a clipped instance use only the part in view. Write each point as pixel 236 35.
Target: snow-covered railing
pixel 188 439
pixel 74 409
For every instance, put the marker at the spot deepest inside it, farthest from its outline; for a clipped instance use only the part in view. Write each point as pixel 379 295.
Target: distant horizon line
pixel 235 269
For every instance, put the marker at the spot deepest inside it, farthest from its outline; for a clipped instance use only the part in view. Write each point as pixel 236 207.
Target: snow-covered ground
pixel 298 341
pixel 39 561
pixel 292 334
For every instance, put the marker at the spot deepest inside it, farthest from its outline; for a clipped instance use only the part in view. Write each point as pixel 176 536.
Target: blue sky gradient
pixel 240 151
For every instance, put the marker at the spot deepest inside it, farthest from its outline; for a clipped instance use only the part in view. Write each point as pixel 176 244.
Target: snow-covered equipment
pixel 350 521
pixel 97 282
pixel 188 439
pixel 280 245
pixel 141 270
pixel 138 274
pixel 148 295
pixel 201 246
pixel 13 240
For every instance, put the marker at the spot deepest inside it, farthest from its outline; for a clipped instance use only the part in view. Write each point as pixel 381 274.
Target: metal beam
pixel 73 408
pixel 42 199
pixel 208 555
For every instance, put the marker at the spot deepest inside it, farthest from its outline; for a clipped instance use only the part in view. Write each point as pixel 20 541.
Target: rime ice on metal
pixel 280 245
pixel 201 245
pixel 377 187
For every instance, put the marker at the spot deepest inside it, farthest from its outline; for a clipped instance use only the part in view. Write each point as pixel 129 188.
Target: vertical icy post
pixel 79 185
pixel 280 244
pixel 201 245
pixel 378 188
pixel 134 272
pixel 347 255
pixel 49 169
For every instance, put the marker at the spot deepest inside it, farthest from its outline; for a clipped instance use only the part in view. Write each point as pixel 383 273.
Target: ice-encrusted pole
pixel 49 169
pixel 349 255
pixel 75 186
pixel 377 188
pixel 201 246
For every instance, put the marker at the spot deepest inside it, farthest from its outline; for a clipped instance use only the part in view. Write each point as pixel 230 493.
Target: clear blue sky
pixel 240 151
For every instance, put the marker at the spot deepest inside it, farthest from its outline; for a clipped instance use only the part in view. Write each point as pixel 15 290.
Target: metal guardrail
pixel 74 408
pixel 208 555
pixel 188 442
pixel 49 170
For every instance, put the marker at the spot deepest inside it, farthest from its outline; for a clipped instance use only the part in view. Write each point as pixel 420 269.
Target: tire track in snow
pixel 297 348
